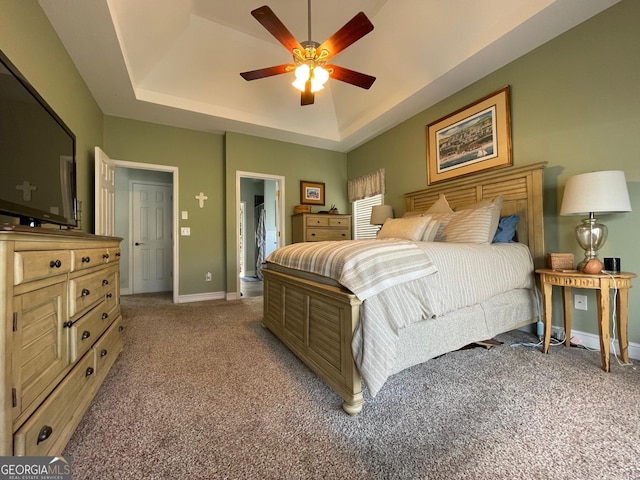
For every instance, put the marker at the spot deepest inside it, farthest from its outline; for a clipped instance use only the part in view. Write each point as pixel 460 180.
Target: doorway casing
pixel 280 235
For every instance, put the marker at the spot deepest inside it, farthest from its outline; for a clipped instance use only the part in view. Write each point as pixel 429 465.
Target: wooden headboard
pixel 521 188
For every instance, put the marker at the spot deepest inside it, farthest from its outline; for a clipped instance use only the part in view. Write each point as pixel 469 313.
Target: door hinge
pixel 14 398
pixel 15 321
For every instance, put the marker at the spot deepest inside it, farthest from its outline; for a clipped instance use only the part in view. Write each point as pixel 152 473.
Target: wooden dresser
pixel 61 333
pixel 316 227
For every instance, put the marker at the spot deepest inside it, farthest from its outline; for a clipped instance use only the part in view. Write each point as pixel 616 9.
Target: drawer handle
pixel 105 283
pixel 68 324
pixel 105 256
pixel 45 432
pixel 86 259
pixel 85 292
pixel 313 234
pixel 117 254
pixel 89 372
pixel 105 316
pixel 109 295
pixel 120 328
pixel 103 353
pixel 86 334
pixel 55 263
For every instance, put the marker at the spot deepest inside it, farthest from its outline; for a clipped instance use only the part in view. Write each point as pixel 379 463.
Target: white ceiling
pixel 177 62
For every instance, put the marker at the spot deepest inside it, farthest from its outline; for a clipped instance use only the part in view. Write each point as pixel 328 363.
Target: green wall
pixel 295 162
pixel 30 42
pixel 575 103
pixel 199 157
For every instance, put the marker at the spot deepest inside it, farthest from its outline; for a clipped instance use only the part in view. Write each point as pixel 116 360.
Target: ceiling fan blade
pixel 351 32
pixel 358 79
pixel 307 97
pixel 268 20
pixel 267 72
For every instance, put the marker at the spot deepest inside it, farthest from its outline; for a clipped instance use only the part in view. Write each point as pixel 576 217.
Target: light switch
pixel 185 231
pixel 185 215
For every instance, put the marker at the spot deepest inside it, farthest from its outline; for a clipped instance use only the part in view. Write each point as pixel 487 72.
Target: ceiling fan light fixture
pixel 316 74
pixel 302 73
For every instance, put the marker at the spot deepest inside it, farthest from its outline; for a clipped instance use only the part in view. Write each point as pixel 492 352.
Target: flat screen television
pixel 37 156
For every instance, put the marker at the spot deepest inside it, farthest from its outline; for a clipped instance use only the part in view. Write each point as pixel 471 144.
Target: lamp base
pixel 591 236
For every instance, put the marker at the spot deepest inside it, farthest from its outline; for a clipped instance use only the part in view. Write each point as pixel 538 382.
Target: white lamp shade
pixel 379 213
pixel 596 192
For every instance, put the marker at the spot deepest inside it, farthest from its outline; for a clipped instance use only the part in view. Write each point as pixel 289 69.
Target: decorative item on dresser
pixel 316 227
pixel 62 332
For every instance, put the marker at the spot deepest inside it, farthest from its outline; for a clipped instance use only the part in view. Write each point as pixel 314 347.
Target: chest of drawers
pixel 317 227
pixel 61 332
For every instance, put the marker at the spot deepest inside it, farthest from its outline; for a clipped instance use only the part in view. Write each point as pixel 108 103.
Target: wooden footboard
pixel 316 322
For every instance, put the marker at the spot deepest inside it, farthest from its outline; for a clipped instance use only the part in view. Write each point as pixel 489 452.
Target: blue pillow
pixel 506 231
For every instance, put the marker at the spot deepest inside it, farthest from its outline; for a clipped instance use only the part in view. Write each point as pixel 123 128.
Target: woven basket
pixel 560 261
pixel 301 209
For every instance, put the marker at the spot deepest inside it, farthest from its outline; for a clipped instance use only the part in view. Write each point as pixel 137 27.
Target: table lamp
pixel 590 194
pixel 379 213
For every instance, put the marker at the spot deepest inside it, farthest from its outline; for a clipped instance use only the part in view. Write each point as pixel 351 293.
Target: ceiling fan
pixel 310 57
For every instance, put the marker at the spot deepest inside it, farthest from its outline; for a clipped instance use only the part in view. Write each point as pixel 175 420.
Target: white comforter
pixel 467 274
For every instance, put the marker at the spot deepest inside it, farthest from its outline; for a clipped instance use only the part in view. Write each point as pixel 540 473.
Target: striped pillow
pixel 473 224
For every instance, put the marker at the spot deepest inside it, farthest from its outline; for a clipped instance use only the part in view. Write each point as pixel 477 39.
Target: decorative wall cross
pixel 201 197
pixel 26 188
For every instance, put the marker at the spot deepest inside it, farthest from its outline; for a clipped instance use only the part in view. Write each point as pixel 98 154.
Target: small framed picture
pixel 311 193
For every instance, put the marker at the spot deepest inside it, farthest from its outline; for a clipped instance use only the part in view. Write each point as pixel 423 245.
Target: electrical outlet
pixel 185 231
pixel 207 276
pixel 580 302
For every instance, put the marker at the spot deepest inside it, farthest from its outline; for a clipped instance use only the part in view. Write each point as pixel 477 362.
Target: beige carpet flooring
pixel 202 391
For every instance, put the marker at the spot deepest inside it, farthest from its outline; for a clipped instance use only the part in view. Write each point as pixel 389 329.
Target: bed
pixel 319 318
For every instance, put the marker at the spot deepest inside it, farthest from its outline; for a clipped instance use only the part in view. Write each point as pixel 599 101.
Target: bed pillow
pixel 475 223
pixel 431 231
pixel 411 228
pixel 506 231
pixel 440 206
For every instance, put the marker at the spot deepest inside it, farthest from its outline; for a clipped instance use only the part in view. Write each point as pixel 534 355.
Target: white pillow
pixel 410 228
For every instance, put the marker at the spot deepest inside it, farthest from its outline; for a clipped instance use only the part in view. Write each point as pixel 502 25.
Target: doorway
pixel 259 207
pixel 113 179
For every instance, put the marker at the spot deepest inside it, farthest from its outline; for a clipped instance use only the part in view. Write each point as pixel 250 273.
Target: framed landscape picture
pixel 311 193
pixel 470 140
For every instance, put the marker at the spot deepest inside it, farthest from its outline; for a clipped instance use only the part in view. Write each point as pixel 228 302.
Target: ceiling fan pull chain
pixel 309 19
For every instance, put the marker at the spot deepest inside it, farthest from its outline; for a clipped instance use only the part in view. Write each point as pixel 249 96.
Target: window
pixel 361 216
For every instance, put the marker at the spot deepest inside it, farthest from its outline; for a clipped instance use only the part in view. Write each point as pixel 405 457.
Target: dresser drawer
pixel 108 347
pixel 87 290
pixel 49 428
pixel 320 234
pixel 339 222
pixel 40 264
pixel 89 257
pixel 317 221
pixel 85 331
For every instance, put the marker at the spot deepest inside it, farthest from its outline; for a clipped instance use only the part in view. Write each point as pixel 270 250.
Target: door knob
pixel 138 243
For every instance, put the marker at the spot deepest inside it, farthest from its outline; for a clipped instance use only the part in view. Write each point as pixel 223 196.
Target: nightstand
pixel 600 282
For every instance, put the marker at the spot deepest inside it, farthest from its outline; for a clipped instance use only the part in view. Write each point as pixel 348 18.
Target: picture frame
pixel 311 193
pixel 472 139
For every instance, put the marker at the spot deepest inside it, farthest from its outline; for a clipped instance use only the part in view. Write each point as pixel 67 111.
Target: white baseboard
pixel 201 297
pixel 234 296
pixel 592 341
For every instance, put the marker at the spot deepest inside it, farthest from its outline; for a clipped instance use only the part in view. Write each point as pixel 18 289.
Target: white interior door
pixel 152 243
pixel 105 198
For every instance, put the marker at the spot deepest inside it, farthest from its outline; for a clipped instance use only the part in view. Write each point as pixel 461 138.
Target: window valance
pixel 366 186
